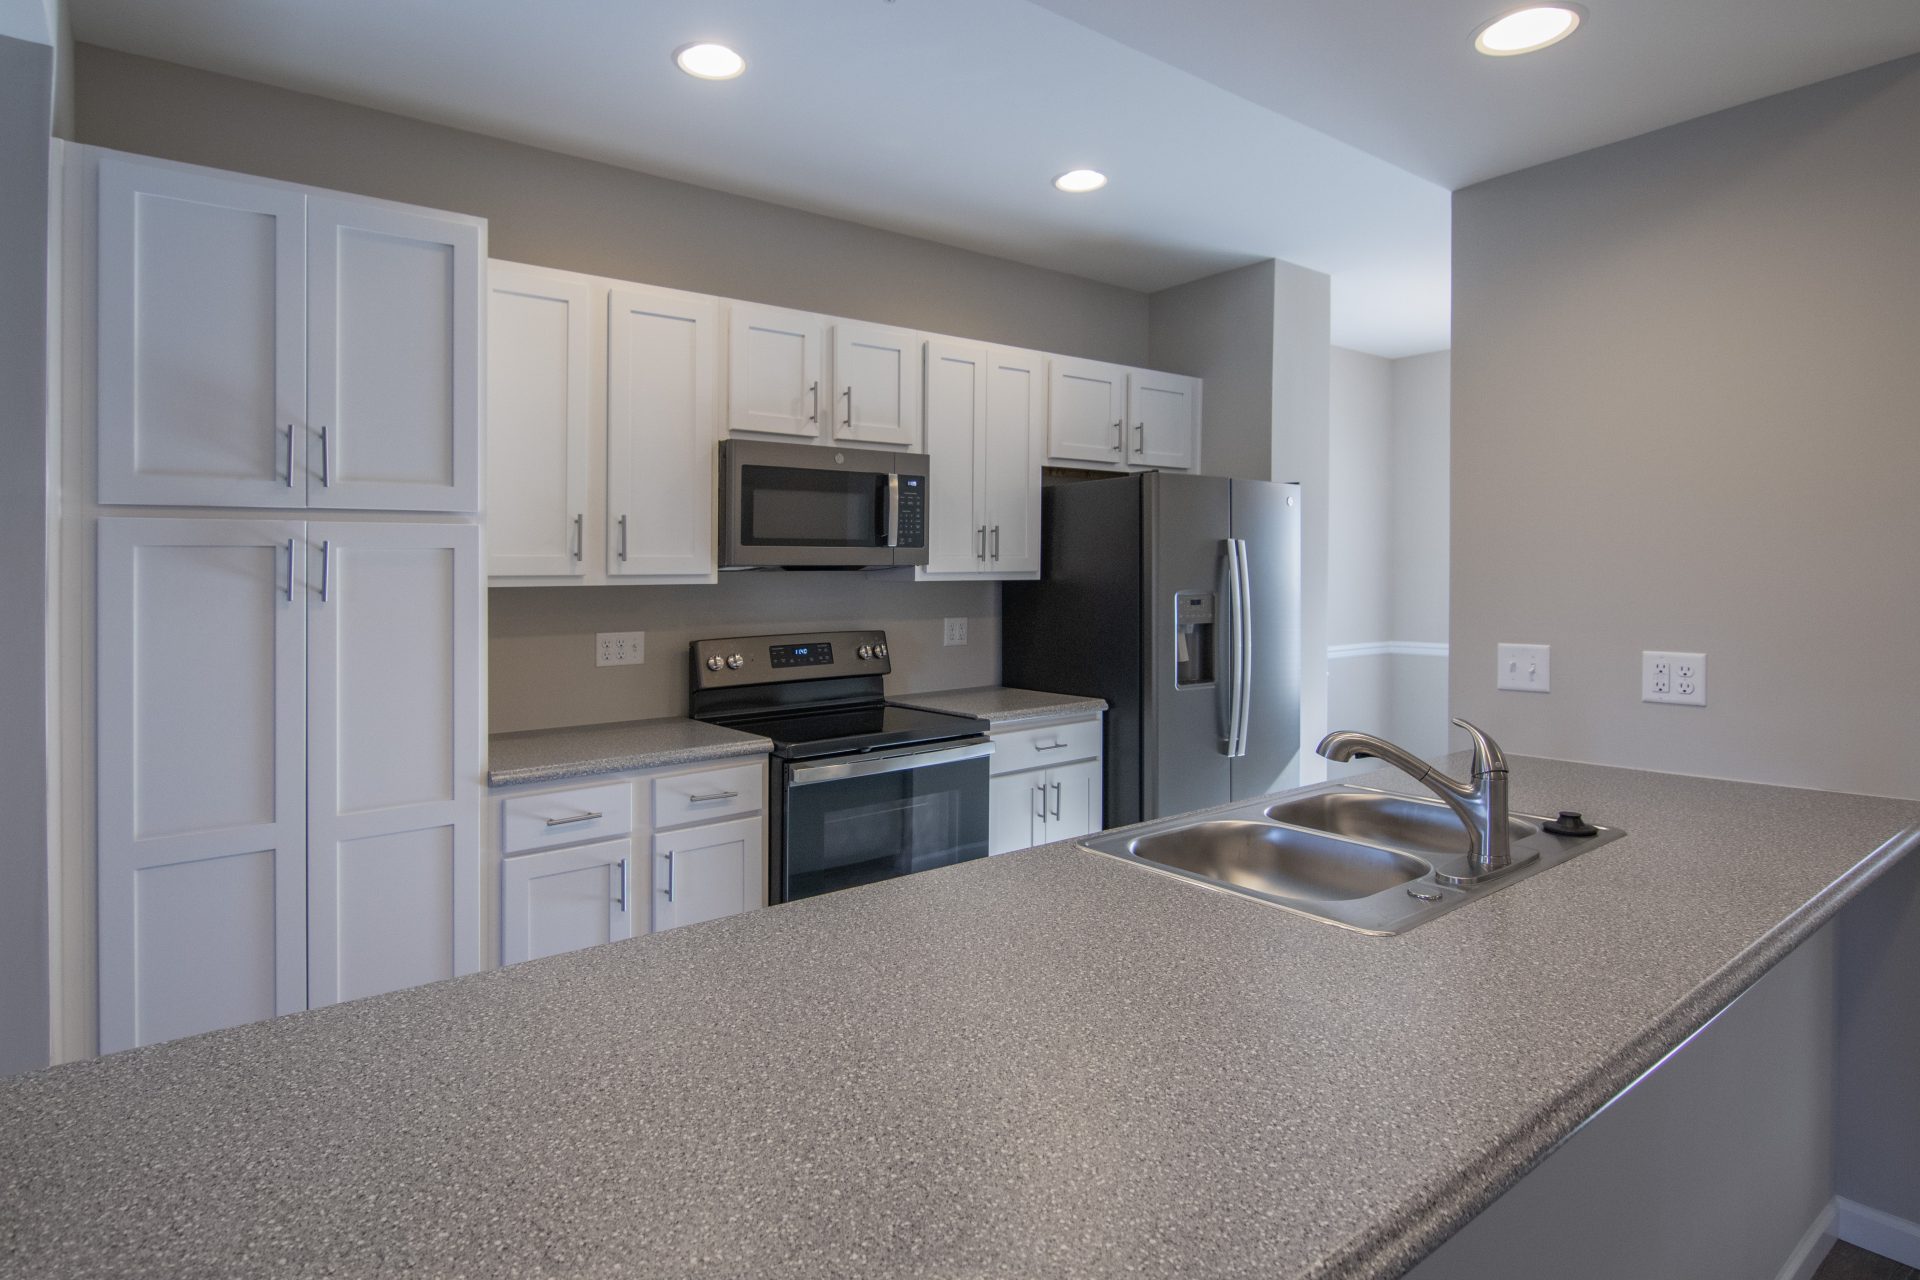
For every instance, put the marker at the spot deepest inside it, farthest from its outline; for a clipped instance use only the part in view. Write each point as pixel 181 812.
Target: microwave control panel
pixel 913 511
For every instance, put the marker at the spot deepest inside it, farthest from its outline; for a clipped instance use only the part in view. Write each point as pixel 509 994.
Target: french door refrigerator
pixel 1177 599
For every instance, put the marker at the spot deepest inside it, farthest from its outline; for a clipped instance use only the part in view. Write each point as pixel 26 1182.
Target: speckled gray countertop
pixel 999 706
pixel 1052 1063
pixel 552 755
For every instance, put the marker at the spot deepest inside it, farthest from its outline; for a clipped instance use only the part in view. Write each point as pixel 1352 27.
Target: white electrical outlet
pixel 956 631
pixel 620 648
pixel 1678 678
pixel 1525 667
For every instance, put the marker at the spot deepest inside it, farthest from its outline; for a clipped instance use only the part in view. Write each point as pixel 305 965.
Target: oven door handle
pixel 866 766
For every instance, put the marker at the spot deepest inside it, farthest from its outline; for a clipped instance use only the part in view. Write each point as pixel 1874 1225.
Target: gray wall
pixel 26 100
pixel 1686 372
pixel 1220 328
pixel 1360 472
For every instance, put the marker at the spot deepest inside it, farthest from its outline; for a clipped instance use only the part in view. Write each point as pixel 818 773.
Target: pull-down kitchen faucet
pixel 1481 806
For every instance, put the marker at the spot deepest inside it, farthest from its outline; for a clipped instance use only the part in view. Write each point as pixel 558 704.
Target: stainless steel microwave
pixel 808 506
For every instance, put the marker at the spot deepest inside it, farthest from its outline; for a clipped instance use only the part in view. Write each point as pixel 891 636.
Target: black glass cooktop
pixel 804 735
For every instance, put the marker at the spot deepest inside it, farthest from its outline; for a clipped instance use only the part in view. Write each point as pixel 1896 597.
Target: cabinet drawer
pixel 707 795
pixel 1017 749
pixel 565 817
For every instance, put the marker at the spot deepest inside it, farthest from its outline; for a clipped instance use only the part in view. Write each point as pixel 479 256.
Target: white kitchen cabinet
pixel 263 345
pixel 202 832
pixel 202 370
pixel 708 871
pixel 774 370
pixel 539 330
pixel 876 385
pixel 663 426
pixel 394 756
pixel 566 899
pixel 1047 784
pixel 393 357
pixel 287 785
pixel 1086 413
pixel 1163 421
pixel 984 431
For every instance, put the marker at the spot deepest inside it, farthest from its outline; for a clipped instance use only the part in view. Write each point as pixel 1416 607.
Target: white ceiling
pixel 948 118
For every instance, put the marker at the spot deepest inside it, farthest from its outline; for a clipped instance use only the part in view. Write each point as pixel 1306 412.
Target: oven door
pixel 800 506
pixel 856 819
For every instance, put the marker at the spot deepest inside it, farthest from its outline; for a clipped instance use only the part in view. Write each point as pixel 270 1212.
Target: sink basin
pixel 1280 860
pixel 1425 827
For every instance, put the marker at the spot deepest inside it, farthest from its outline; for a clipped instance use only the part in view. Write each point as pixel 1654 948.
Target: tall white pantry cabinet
pixel 288 591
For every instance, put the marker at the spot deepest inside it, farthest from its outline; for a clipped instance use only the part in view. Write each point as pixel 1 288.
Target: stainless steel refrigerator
pixel 1177 599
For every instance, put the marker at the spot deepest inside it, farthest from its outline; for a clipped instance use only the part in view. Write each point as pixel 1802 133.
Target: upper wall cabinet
pixel 539 325
pixel 985 430
pixel 265 346
pixel 1163 421
pixel 876 385
pixel 1106 417
pixel 774 364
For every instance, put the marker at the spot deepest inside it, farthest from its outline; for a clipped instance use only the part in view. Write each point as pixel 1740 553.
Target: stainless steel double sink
pixel 1351 856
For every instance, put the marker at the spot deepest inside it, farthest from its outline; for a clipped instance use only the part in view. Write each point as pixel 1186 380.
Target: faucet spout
pixel 1481 804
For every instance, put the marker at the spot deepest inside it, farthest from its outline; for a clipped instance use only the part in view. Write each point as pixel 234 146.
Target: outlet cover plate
pixel 619 648
pixel 1678 679
pixel 1526 668
pixel 956 631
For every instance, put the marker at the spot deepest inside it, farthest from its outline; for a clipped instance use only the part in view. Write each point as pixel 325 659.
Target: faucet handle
pixel 1487 756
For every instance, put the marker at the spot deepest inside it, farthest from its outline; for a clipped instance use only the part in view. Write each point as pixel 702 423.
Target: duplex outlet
pixel 956 631
pixel 1676 678
pixel 620 648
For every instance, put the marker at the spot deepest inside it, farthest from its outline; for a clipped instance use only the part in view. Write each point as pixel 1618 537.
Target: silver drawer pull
pixel 578 817
pixel 714 795
pixel 1048 746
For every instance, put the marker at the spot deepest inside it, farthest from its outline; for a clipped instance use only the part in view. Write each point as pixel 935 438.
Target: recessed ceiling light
pixel 1524 30
pixel 709 61
pixel 1081 180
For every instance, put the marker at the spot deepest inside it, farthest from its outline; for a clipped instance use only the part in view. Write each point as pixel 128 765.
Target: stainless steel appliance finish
pixel 1177 599
pixel 802 506
pixel 1371 861
pixel 859 789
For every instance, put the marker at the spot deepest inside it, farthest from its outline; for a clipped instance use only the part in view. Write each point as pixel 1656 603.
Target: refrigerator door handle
pixel 1236 662
pixel 1244 682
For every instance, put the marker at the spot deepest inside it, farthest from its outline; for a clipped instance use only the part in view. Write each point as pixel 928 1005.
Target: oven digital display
pixel 801 655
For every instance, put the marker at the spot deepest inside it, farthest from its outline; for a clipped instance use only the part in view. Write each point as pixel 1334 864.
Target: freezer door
pixel 1189 520
pixel 1266 523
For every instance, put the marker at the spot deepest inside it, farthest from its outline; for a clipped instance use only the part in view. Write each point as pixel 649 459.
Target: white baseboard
pixel 1812 1249
pixel 1882 1233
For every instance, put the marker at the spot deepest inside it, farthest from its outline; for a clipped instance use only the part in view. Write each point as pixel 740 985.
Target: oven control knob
pixel 715 663
pixel 879 651
pixel 736 662
pixel 866 651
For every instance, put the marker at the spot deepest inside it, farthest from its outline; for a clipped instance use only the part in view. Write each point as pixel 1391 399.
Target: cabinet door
pixel 394 751
pixel 538 326
pixel 663 429
pixel 202 375
pixel 1163 420
pixel 773 371
pixel 1016 811
pixel 393 357
pixel 705 872
pixel 1073 798
pixel 565 899
pixel 1014 445
pixel 876 385
pixel 956 385
pixel 1086 410
pixel 202 776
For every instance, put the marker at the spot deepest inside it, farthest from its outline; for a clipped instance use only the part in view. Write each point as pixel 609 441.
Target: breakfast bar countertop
pixel 1051 1063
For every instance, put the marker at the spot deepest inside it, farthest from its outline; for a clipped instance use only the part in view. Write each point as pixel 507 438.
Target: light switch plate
pixel 1526 668
pixel 956 632
pixel 620 648
pixel 1676 678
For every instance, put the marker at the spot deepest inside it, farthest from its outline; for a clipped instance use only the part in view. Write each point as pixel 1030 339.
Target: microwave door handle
pixel 893 508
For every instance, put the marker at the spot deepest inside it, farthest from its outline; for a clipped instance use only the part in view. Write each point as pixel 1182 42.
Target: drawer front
pixel 1017 749
pixel 553 818
pixel 708 794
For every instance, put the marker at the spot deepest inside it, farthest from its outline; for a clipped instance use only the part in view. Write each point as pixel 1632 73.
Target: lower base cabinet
pixel 703 873
pixel 1063 800
pixel 566 899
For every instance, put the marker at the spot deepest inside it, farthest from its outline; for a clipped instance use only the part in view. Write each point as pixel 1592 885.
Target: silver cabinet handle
pixel 711 796
pixel 849 395
pixel 622 903
pixel 669 889
pixel 1056 800
pixel 1119 436
pixel 289 455
pixel 1049 746
pixel 578 817
pixel 623 537
pixel 996 542
pixel 289 570
pixel 981 534
pixel 814 391
pixel 1040 789
pixel 326 568
pixel 579 534
pixel 1140 438
pixel 326 459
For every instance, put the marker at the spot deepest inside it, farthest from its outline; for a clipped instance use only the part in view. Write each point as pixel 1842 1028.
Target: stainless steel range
pixel 860 789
